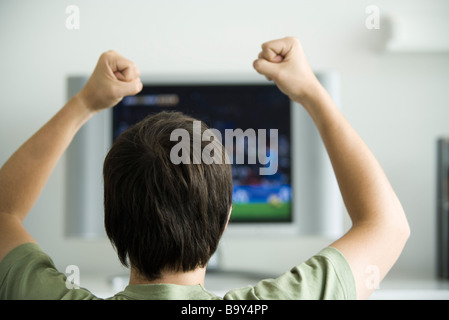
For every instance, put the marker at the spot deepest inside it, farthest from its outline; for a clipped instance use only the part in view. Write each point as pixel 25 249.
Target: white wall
pixel 397 101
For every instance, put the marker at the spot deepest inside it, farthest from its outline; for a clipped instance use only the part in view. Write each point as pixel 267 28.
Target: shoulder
pixel 27 272
pixel 326 275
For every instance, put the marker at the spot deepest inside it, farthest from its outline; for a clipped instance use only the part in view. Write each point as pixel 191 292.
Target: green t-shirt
pixel 27 272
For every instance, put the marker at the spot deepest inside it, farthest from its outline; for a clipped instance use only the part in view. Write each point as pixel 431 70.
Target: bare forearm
pixel 365 189
pixel 380 228
pixel 25 174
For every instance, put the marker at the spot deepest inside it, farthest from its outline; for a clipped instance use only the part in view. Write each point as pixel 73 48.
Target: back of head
pixel 160 215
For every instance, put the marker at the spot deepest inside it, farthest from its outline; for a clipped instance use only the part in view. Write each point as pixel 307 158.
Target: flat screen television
pixel 246 116
pixel 299 197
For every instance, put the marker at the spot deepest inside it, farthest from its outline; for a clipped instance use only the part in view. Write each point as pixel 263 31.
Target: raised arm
pixel 24 175
pixel 379 227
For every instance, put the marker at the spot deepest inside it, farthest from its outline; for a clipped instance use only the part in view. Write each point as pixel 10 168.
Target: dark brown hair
pixel 159 215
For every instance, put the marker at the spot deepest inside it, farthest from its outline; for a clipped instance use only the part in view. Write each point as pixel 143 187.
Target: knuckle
pixel 256 64
pixel 139 86
pixel 108 54
pixel 135 68
pixel 294 41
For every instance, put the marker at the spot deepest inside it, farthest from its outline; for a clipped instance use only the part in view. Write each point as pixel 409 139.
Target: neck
pixel 169 277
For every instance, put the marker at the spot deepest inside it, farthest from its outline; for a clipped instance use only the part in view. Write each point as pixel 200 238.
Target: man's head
pixel 160 216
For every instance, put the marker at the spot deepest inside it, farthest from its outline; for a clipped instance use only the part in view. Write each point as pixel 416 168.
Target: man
pixel 165 220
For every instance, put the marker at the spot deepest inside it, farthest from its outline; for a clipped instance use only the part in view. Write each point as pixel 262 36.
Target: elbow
pixel 398 222
pixel 405 227
pixel 402 228
pixel 397 227
pixel 406 230
pixel 403 234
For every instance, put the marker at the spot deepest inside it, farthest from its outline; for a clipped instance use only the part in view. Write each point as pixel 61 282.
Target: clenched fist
pixel 114 77
pixel 284 62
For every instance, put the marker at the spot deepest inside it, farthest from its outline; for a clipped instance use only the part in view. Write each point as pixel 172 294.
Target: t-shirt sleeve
pixel 325 276
pixel 28 273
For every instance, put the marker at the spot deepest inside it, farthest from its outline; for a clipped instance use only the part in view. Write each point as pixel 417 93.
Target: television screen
pixel 254 123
